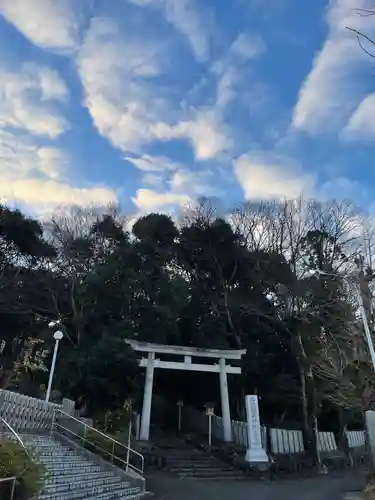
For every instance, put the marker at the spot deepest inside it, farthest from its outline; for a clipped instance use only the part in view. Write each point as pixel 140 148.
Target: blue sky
pixel 153 103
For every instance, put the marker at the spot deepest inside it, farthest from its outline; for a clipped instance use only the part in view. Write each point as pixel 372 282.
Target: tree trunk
pixel 312 417
pixel 308 401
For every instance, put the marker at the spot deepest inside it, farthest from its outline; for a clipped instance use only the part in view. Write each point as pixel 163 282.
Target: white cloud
pixel 51 162
pixel 194 184
pixel 342 188
pixel 333 87
pixel 21 155
pixel 247 47
pixel 154 180
pixel 148 200
pixel 179 188
pixel 265 177
pixel 149 163
pixel 230 70
pixel 186 18
pixel 192 22
pixel 41 194
pixel 117 72
pixel 50 24
pixel 28 99
pixel 127 105
pixel 36 175
pixel 205 131
pixel 361 125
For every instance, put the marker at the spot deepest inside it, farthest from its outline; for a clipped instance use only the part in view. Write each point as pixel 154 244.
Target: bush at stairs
pixel 15 462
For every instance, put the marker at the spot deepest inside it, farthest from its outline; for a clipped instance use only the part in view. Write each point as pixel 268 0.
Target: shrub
pixel 15 462
pixel 104 447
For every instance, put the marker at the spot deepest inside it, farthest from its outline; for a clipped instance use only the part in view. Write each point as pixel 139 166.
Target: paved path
pixel 166 487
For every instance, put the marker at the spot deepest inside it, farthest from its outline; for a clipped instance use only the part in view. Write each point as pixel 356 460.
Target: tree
pixel 22 253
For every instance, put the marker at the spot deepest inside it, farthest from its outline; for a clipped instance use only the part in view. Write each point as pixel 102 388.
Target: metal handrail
pixel 14 479
pixel 114 442
pixel 15 434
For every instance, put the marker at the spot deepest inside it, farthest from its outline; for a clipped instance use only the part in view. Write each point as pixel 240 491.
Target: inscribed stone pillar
pixel 255 452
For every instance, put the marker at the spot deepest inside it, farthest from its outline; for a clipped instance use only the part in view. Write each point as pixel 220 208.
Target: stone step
pixel 188 457
pixel 55 460
pixel 113 491
pixel 60 454
pixel 214 478
pixel 83 484
pixel 215 469
pixel 71 476
pixel 126 496
pixel 66 478
pixel 55 453
pixel 208 462
pixel 65 469
pixel 46 446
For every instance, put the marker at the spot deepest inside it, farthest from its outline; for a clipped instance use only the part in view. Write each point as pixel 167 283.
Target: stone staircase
pixel 189 463
pixel 72 476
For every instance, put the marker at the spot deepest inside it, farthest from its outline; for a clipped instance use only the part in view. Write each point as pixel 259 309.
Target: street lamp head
pixel 51 324
pixel 316 272
pixel 319 272
pixel 58 335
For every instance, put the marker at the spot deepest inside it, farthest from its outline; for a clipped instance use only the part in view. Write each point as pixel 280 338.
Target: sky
pixel 154 103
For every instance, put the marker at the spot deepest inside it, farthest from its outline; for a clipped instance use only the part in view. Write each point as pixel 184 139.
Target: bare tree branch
pixel 360 35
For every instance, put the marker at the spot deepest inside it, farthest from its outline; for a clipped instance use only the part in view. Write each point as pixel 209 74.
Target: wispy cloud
pixel 181 188
pixel 361 125
pixel 334 87
pixel 38 175
pixel 230 69
pixel 148 200
pixel 121 76
pixel 190 19
pixel 44 195
pixel 21 156
pixel 50 24
pixel 205 131
pixel 150 163
pixel 28 99
pixel 116 72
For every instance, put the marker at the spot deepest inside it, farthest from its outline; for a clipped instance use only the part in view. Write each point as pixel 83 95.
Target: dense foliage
pixel 244 281
pixel 15 462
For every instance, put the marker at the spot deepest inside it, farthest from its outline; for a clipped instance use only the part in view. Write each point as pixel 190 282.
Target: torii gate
pixel 150 363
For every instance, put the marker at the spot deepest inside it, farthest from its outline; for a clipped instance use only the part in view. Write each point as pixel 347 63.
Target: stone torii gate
pixel 187 353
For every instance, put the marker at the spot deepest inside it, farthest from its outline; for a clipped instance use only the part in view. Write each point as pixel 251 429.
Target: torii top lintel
pixel 186 351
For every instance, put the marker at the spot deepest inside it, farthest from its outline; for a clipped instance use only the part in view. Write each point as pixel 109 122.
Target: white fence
pixel 356 439
pixel 281 440
pixel 26 414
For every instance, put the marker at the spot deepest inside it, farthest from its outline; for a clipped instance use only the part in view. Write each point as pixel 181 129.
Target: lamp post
pixel 210 414
pixel 57 336
pixel 128 407
pixel 180 404
pixel 361 309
